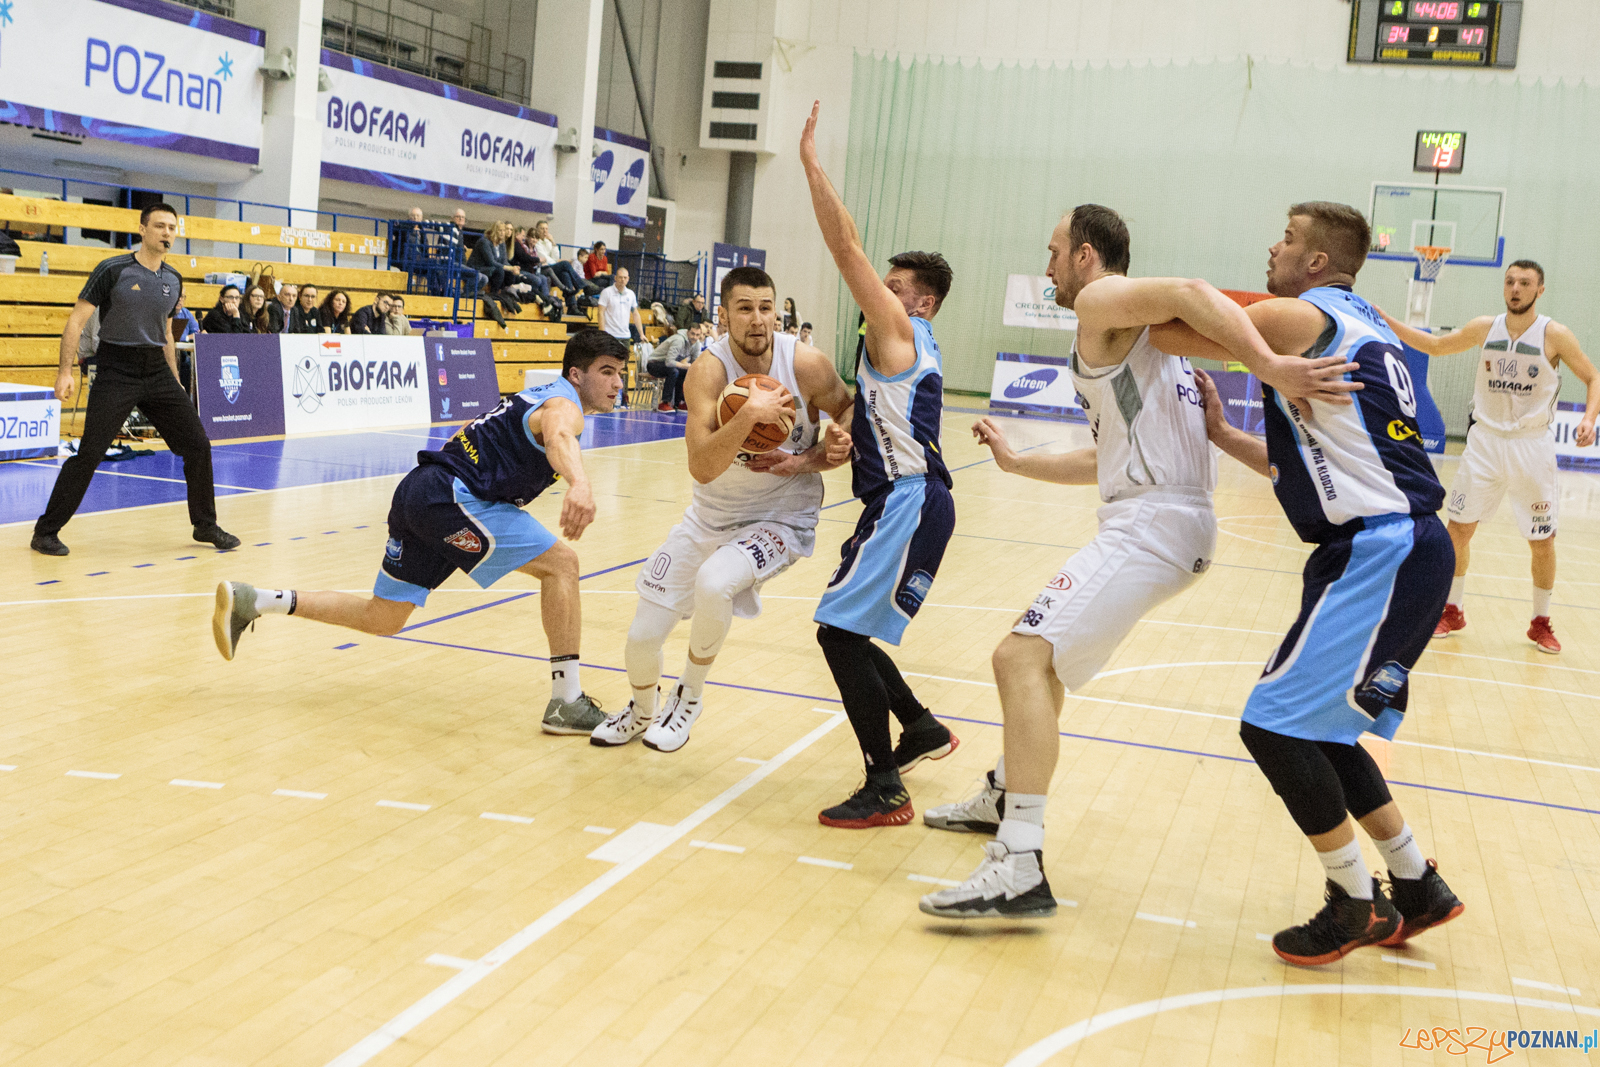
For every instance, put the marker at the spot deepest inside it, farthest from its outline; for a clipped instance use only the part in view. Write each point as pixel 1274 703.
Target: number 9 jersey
pixel 1336 465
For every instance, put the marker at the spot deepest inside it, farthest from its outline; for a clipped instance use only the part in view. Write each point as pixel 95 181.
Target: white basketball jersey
pixel 1149 428
pixel 740 496
pixel 1517 384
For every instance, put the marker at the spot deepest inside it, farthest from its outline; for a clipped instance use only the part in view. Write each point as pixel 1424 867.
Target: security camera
pixel 279 67
pixel 567 140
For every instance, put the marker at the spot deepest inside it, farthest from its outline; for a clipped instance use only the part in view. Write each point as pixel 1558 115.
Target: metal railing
pixel 376 33
pixel 243 210
pixel 654 277
pixel 216 7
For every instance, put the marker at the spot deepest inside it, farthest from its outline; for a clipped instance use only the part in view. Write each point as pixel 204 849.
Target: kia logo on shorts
pixel 1031 383
pixel 600 170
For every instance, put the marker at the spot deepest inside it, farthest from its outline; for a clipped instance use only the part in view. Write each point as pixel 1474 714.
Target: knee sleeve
pixel 1365 791
pixel 721 577
pixel 651 625
pixel 1301 775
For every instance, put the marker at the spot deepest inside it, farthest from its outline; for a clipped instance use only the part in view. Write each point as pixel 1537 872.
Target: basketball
pixel 765 436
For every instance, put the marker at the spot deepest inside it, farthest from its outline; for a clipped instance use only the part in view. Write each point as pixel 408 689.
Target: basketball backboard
pixel 1467 219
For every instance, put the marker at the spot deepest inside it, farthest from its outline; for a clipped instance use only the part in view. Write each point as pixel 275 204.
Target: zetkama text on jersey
pixel 1335 465
pixel 495 455
pixel 896 421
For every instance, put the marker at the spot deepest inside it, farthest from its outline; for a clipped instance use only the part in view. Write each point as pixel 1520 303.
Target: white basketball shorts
pixel 668 576
pixel 1522 468
pixel 1149 549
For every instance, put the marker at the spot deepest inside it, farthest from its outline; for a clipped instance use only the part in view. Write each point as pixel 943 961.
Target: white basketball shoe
pixel 619 729
pixel 980 814
pixel 670 731
pixel 1006 885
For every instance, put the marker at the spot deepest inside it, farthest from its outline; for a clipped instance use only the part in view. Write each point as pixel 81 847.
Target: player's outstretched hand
pixel 1211 402
pixel 769 405
pixel 577 511
pixel 988 432
pixel 836 444
pixel 808 137
pixel 1321 379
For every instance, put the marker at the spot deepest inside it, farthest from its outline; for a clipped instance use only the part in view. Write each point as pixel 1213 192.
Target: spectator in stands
pixel 397 324
pixel 561 271
pixel 793 330
pixel 305 316
pixel 371 318
pixel 278 310
pixel 490 260
pixel 597 268
pixel 335 313
pixel 526 258
pixel 580 263
pixel 692 312
pixel 791 317
pixel 226 316
pixel 255 309
pixel 184 326
pixel 619 309
pixel 805 333
pixel 670 360
pixel 416 214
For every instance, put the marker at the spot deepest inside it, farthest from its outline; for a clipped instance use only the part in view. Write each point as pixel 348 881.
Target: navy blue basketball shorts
pixel 1369 607
pixel 437 527
pixel 890 561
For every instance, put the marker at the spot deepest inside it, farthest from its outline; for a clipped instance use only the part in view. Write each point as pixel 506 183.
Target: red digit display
pixel 1477 35
pixel 1398 34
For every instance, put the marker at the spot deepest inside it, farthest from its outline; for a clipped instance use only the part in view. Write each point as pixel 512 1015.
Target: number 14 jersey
pixel 1335 465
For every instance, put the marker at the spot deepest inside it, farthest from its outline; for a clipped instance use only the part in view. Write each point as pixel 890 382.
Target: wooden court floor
pixel 341 849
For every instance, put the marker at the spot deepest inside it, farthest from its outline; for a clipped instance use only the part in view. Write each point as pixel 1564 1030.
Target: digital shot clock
pixel 1436 33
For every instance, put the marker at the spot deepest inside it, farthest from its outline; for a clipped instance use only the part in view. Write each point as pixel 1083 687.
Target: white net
pixel 1430 261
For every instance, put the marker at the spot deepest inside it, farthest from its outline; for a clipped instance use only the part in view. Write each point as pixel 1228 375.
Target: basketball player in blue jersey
pixel 461 509
pixel 1356 482
pixel 908 514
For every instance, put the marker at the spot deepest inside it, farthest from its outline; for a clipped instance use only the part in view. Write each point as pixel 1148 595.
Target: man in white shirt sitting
pixel 619 310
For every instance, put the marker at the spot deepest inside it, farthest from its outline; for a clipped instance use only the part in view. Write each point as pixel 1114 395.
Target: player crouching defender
pixel 461 508
pixel 752 514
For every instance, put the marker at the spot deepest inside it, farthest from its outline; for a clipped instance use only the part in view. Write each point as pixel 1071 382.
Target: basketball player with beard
pixel 752 514
pixel 1511 449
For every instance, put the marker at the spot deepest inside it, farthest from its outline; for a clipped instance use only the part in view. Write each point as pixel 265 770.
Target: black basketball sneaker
pixel 881 801
pixel 1343 925
pixel 1422 903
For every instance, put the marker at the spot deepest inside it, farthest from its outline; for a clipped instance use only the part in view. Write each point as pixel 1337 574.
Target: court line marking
pixel 715 847
pixel 598 830
pixel 521 820
pixel 516 596
pixel 300 793
pixel 1166 919
pixel 751 759
pixel 835 864
pixel 102 775
pixel 402 1024
pixel 192 784
pixel 439 959
pixel 404 805
pixel 1264 937
pixel 145 477
pixel 1040 1051
pixel 1421 965
pixel 8 766
pixel 932 880
pixel 1547 987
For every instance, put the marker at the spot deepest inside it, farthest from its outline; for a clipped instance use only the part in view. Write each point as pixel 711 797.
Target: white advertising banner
pixel 1034 385
pixel 352 382
pixel 30 421
pixel 621 173
pixel 382 126
pixel 143 72
pixel 1031 301
pixel 1565 424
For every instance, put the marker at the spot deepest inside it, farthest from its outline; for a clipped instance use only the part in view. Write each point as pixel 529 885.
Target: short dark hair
pixel 598 244
pixel 1103 230
pixel 754 277
pixel 930 271
pixel 235 288
pixel 805 326
pixel 1338 230
pixel 144 216
pixel 1528 264
pixel 586 346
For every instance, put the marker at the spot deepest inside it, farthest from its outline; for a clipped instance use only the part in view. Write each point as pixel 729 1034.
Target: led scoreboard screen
pixel 1440 152
pixel 1437 33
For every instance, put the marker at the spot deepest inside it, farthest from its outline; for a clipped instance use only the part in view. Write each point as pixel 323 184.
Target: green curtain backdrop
pixel 1202 159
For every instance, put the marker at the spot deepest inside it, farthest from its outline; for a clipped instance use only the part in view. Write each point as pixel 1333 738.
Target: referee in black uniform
pixel 137 365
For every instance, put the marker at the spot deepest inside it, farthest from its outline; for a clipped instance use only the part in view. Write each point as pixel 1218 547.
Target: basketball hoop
pixel 1419 293
pixel 1430 261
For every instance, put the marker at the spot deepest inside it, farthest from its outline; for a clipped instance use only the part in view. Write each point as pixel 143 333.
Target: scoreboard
pixel 1436 33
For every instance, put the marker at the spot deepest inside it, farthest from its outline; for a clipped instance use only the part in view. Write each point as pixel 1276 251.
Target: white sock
pixel 1458 589
pixel 1345 868
pixel 275 601
pixel 1541 602
pixel 565 684
pixel 693 678
pixel 1022 829
pixel 1000 771
pixel 1401 853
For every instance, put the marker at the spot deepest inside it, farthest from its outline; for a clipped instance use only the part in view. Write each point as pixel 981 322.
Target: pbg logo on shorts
pixel 465 540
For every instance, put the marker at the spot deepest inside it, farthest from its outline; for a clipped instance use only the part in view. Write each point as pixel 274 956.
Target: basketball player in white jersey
pixel 1155 471
pixel 1511 449
pixel 751 517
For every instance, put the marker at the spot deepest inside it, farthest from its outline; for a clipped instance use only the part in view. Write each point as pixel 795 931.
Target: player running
pixel 751 515
pixel 1157 532
pixel 1511 448
pixel 461 509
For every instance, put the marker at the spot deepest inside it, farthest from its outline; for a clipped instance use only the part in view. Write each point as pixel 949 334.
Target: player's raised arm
pixel 1563 344
pixel 1472 335
pixel 713 448
pixel 1247 448
pixel 817 378
pixel 1117 302
pixel 561 421
pixel 1065 468
pixel 889 337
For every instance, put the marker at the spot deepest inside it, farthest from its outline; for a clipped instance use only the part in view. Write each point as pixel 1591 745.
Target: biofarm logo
pixel 1032 383
pixel 377 122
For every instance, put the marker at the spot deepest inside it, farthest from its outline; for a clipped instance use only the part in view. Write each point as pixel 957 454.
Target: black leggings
pixel 870 687
pixel 1318 780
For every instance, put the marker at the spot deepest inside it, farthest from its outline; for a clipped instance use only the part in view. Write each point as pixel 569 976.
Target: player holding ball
pixel 757 452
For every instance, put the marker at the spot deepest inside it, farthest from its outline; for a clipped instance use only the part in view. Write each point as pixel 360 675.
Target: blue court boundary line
pixel 518 596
